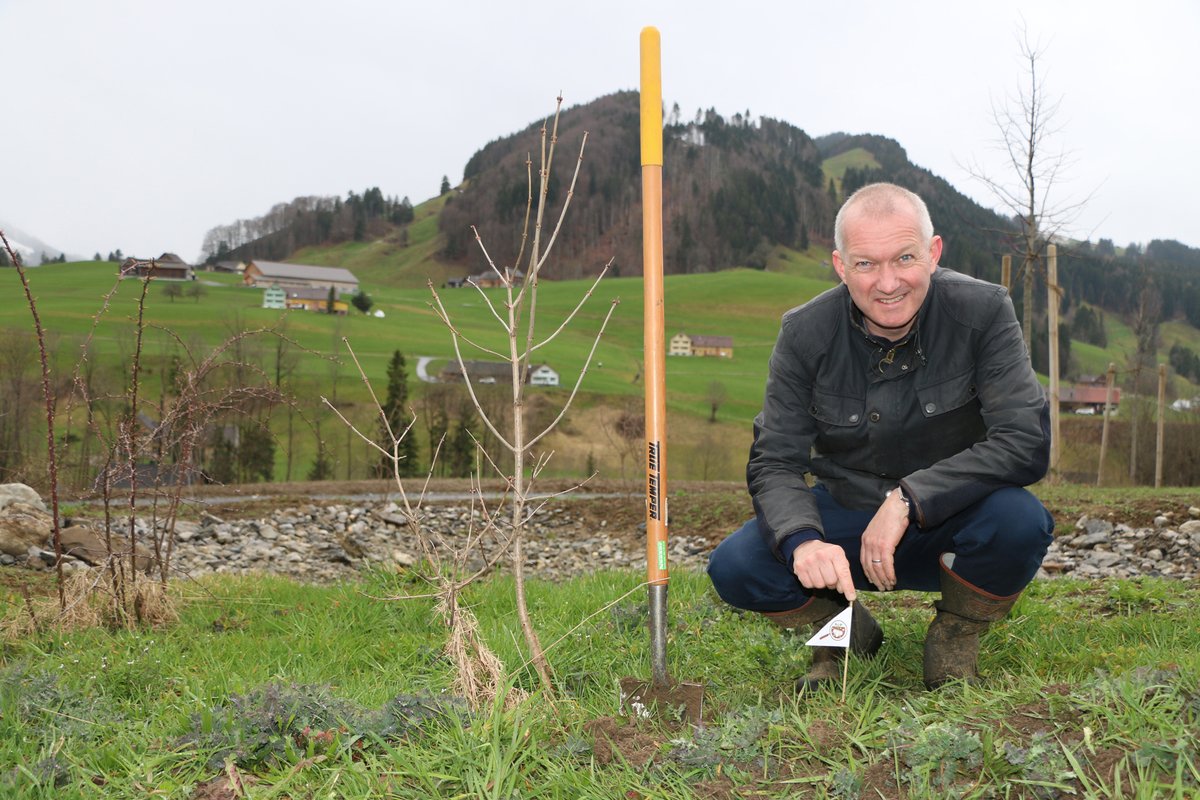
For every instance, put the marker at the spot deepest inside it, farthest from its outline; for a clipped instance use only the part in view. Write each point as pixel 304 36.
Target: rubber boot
pixel 865 637
pixel 963 614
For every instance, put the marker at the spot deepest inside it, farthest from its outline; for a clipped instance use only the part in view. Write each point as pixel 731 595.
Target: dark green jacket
pixel 951 414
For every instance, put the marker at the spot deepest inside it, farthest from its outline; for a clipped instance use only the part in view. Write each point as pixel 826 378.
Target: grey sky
pixel 140 124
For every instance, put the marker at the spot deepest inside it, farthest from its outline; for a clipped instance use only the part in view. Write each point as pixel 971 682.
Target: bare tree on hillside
pixel 1145 330
pixel 1027 125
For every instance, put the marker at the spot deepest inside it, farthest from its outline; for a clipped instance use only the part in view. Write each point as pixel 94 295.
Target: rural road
pixel 422 363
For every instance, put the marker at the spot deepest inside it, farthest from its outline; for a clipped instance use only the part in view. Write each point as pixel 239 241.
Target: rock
pixel 1194 511
pixel 1161 521
pixel 325 544
pixel 83 543
pixel 185 530
pixel 23 526
pixel 20 493
pixel 1090 540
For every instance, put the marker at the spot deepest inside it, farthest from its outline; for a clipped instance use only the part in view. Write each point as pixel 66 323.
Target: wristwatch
pixel 903 498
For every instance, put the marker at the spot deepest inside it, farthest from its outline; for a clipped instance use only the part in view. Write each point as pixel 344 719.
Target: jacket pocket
pixel 948 395
pixel 839 421
pixel 836 410
pixel 950 420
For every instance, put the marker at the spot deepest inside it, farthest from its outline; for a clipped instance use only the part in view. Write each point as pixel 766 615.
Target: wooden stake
pixel 1052 306
pixel 1006 273
pixel 846 660
pixel 1162 412
pixel 1108 393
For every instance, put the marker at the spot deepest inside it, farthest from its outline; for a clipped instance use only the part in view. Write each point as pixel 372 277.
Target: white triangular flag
pixel 836 632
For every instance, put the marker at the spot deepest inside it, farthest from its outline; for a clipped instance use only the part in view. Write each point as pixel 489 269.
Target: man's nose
pixel 889 278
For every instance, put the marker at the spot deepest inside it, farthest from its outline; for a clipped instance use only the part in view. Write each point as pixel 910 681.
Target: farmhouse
pixel 299 276
pixel 314 300
pixel 1086 398
pixel 167 267
pixel 496 372
pixel 683 344
pixel 543 375
pixel 274 297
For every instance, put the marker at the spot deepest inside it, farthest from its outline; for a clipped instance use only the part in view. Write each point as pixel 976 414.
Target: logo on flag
pixel 835 633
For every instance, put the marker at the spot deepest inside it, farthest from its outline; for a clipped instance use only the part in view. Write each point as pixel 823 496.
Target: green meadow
pixel 84 303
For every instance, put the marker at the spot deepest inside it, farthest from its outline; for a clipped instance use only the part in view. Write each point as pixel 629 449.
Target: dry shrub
pixel 89 605
pixel 478 672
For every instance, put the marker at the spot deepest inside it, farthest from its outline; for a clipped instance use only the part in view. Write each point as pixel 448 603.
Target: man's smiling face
pixel 887 265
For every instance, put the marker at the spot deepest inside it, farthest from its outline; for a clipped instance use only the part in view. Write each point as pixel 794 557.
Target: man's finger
pixel 845 581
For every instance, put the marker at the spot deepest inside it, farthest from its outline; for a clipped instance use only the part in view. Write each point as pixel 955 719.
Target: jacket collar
pixel 888 358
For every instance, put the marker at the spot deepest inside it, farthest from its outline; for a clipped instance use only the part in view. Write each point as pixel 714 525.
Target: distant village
pixel 302 287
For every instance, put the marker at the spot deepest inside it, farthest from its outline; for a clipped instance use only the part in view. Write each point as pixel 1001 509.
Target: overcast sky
pixel 141 124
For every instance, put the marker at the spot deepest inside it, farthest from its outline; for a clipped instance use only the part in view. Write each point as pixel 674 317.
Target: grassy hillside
pixel 835 167
pixel 405 258
pixel 744 304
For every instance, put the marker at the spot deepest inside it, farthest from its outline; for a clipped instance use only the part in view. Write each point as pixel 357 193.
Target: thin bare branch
pixel 566 202
pixel 579 380
pixel 471 391
pixel 440 310
pixel 382 450
pixel 584 621
pixel 487 256
pixel 571 316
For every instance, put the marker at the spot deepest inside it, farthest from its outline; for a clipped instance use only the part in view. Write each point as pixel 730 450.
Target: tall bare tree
pixel 1027 125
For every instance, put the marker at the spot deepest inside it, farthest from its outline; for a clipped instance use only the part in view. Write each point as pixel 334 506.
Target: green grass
pixel 836 166
pixel 744 304
pixel 298 691
pixel 406 258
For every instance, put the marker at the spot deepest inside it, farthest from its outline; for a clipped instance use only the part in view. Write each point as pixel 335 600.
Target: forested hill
pixel 735 190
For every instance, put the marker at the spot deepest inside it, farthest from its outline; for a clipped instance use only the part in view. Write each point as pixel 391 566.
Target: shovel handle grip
pixel 652 273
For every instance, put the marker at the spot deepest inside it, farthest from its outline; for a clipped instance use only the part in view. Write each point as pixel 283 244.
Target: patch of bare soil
pixel 622 741
pixel 226 787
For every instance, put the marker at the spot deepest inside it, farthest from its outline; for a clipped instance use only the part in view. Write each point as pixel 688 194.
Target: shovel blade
pixel 676 700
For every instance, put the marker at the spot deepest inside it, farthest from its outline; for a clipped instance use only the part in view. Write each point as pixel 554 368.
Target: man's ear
pixel 838 266
pixel 935 250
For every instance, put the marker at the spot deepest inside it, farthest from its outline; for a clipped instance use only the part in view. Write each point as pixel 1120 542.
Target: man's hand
pixel 880 539
pixel 820 565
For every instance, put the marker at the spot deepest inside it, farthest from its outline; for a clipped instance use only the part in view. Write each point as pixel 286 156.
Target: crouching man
pixel 907 393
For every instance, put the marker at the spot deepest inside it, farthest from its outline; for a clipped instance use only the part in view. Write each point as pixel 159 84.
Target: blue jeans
pixel 998 545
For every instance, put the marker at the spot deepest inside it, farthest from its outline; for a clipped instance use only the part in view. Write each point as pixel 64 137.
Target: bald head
pixel 877 200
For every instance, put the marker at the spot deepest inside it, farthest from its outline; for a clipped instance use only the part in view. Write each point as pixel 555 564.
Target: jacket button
pixel 874 416
pixel 930 408
pixel 854 417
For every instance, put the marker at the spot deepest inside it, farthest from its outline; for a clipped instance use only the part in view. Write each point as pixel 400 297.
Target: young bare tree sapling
pixel 517 319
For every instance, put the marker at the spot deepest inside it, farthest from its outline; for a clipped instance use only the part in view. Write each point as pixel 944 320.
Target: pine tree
pixel 445 185
pixel 322 467
pixel 395 408
pixel 460 448
pixel 255 453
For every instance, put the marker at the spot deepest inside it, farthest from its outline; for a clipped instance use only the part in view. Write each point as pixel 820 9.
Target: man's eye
pixel 863 265
pixel 906 257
